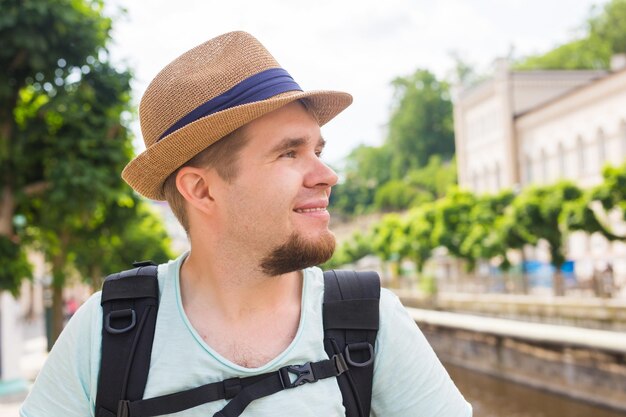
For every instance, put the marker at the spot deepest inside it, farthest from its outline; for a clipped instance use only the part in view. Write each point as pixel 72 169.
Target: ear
pixel 194 185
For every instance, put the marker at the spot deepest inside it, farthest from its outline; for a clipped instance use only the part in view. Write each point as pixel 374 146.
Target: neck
pixel 230 286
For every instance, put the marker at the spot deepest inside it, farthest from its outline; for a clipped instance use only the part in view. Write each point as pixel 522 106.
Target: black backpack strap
pixel 130 302
pixel 240 391
pixel 351 317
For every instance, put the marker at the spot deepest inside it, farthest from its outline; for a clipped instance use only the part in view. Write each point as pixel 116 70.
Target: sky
pixel 357 46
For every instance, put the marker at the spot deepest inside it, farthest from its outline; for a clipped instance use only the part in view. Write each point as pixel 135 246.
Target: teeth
pixel 310 210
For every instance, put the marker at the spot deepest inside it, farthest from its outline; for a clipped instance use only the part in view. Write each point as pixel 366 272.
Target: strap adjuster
pixel 303 373
pixel 340 364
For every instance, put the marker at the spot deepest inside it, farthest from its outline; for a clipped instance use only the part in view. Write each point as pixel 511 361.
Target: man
pixel 234 145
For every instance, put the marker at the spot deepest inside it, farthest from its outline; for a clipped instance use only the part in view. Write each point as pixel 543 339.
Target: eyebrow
pixel 290 143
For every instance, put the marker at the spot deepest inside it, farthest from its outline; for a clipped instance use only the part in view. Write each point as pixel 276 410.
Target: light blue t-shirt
pixel 409 380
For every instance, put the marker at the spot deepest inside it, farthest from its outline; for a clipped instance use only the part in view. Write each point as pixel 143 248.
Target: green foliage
pixel 575 55
pixel 394 195
pixel 365 170
pixel 388 237
pixel 608 27
pixel 417 229
pixel 78 144
pixel 353 249
pixel 536 212
pixel 612 192
pixel 453 222
pixel 604 35
pixel 585 215
pixel 483 239
pixel 485 227
pixel 420 185
pixel 127 234
pixel 14 266
pixel 421 122
pixel 46 47
pixel 435 178
pixel 43 43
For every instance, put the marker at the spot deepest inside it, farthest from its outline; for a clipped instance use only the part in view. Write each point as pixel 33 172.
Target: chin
pixel 299 252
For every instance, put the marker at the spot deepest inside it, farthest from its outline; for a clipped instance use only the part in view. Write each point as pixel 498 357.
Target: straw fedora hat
pixel 205 94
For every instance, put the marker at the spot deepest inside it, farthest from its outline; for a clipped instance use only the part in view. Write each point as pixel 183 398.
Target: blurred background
pixel 482 166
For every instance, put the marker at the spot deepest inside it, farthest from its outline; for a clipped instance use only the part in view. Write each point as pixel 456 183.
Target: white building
pixel 536 127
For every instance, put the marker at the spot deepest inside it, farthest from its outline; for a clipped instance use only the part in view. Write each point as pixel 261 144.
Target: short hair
pixel 221 155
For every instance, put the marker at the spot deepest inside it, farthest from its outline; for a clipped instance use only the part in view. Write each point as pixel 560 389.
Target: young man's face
pixel 276 208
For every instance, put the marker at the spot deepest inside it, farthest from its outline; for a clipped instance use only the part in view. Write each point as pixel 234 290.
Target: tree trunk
pixel 559 282
pixel 7 208
pixel 525 286
pixel 96 278
pixel 58 283
pixel 57 313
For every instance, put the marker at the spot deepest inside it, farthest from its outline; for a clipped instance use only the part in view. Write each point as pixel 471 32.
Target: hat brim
pixel 149 170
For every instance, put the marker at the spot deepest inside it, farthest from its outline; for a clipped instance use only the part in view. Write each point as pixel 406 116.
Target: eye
pixel 318 153
pixel 288 154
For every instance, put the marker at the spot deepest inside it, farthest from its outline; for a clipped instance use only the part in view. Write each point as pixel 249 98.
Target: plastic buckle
pixel 122 408
pixel 340 364
pixel 359 346
pixel 118 314
pixel 303 373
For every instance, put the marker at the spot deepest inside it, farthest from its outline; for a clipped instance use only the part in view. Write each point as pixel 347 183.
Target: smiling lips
pixel 313 207
pixel 311 210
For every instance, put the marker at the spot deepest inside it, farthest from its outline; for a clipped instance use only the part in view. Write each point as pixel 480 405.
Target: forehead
pixel 290 121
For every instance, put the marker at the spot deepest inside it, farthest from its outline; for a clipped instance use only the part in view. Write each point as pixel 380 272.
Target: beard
pixel 297 253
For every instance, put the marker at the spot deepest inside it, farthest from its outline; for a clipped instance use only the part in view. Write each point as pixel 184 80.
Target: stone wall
pixel 592 313
pixel 571 367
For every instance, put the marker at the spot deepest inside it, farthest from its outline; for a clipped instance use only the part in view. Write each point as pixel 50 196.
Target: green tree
pixel 483 241
pixel 366 168
pixel 435 178
pixel 452 224
pixel 575 55
pixel 608 27
pixel 536 213
pixel 43 43
pixel 16 266
pixel 421 122
pixel 417 229
pixel 388 242
pixel 603 35
pixel 131 231
pixel 395 195
pixel 351 250
pixel 419 186
pixel 79 143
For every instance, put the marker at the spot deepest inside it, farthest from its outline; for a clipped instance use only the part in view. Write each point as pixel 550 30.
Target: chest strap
pixel 241 391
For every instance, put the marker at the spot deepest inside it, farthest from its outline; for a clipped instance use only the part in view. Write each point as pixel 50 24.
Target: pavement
pixel 33 357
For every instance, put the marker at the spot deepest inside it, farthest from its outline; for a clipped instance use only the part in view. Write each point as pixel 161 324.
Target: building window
pixel 580 150
pixel 601 148
pixel 529 169
pixel 497 174
pixel 544 166
pixel 486 181
pixel 561 156
pixel 622 132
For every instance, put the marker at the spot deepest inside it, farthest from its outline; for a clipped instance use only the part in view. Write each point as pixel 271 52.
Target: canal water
pixel 494 397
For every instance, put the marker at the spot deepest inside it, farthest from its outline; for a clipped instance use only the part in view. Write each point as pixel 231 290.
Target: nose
pixel 321 175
